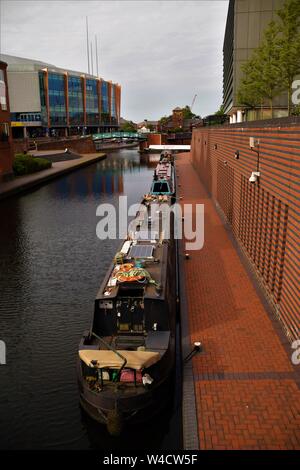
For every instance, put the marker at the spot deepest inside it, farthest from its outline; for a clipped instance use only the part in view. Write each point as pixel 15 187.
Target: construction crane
pixel 193 102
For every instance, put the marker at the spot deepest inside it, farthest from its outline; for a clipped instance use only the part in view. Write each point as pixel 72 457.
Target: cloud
pixel 161 52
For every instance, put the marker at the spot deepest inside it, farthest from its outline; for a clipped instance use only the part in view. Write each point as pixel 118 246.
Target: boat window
pixel 161 187
pixel 130 292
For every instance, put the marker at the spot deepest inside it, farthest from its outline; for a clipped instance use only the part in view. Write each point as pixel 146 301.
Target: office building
pixel 47 100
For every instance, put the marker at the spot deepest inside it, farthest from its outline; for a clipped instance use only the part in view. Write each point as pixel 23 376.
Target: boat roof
pixel 164 170
pixel 109 359
pixel 170 147
pixel 146 246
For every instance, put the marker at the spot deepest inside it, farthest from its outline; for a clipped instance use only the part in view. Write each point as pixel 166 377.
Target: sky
pixel 161 52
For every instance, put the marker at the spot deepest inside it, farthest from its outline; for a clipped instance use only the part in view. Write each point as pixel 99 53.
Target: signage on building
pixel 17 124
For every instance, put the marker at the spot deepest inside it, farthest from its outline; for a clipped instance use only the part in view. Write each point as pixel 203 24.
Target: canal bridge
pixel 119 135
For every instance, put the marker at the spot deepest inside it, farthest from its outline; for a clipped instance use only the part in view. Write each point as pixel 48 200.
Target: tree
pixel 289 41
pixel 268 66
pixel 187 113
pixel 220 111
pixel 128 126
pixel 261 73
pixel 164 120
pixel 274 65
pixel 249 93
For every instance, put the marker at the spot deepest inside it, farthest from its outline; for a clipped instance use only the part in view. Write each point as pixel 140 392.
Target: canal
pixel 51 265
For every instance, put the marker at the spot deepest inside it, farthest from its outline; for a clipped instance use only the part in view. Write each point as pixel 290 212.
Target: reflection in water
pixel 51 265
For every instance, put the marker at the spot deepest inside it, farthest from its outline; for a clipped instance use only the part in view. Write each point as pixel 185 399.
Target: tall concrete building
pixel 246 22
pixel 47 100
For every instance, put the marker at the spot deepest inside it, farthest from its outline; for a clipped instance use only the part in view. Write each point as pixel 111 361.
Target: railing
pixel 114 350
pixel 118 135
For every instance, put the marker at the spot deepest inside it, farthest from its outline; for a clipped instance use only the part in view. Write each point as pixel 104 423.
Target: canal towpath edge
pixel 24 183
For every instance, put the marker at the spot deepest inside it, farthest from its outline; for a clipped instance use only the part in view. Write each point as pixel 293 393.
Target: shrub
pixel 25 164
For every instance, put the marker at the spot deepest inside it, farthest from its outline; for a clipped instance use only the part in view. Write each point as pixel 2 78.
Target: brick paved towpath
pixel 247 392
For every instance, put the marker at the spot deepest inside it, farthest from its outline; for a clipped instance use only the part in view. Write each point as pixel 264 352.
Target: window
pixel 75 101
pixel 57 101
pixel 43 99
pixel 113 101
pixel 2 91
pixel 105 118
pixel 161 188
pixel 4 132
pixel 92 111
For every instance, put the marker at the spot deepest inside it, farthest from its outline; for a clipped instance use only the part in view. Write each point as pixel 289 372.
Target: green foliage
pixel 220 111
pixel 273 66
pixel 295 111
pixel 164 120
pixel 128 126
pixel 187 113
pixel 289 42
pixel 175 130
pixel 261 74
pixel 25 164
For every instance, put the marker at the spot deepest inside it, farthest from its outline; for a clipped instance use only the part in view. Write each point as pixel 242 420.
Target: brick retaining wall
pixel 80 145
pixel 265 216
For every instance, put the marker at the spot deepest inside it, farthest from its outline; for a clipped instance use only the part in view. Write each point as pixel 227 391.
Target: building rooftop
pixel 23 64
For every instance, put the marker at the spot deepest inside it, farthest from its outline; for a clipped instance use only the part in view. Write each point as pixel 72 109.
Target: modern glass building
pixel 57 99
pixel 105 112
pixel 92 102
pixel 75 101
pixel 47 100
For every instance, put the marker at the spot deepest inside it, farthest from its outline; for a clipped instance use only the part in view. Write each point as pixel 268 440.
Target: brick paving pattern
pixel 247 389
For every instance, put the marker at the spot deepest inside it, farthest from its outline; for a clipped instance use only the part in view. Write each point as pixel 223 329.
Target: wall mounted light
pixel 254 176
pixel 254 146
pixel 237 154
pixel 215 146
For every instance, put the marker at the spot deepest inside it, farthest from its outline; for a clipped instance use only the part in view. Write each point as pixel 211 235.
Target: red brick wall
pixel 265 216
pixel 80 145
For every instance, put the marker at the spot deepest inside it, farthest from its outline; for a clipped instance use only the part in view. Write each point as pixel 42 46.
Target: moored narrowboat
pixel 127 357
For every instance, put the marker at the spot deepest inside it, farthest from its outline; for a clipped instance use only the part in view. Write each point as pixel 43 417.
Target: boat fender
pixel 114 423
pixel 147 379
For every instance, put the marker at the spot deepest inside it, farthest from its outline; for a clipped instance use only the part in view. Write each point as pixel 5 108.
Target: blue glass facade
pixel 104 103
pixel 113 102
pixel 44 115
pixel 113 105
pixel 76 116
pixel 60 87
pixel 92 110
pixel 57 99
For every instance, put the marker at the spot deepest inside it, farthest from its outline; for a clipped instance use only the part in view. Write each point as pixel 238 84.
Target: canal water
pixel 51 265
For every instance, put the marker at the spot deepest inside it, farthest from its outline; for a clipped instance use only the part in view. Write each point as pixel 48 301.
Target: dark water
pixel 51 265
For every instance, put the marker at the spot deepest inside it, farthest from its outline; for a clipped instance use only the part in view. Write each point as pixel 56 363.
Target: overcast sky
pixel 161 52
